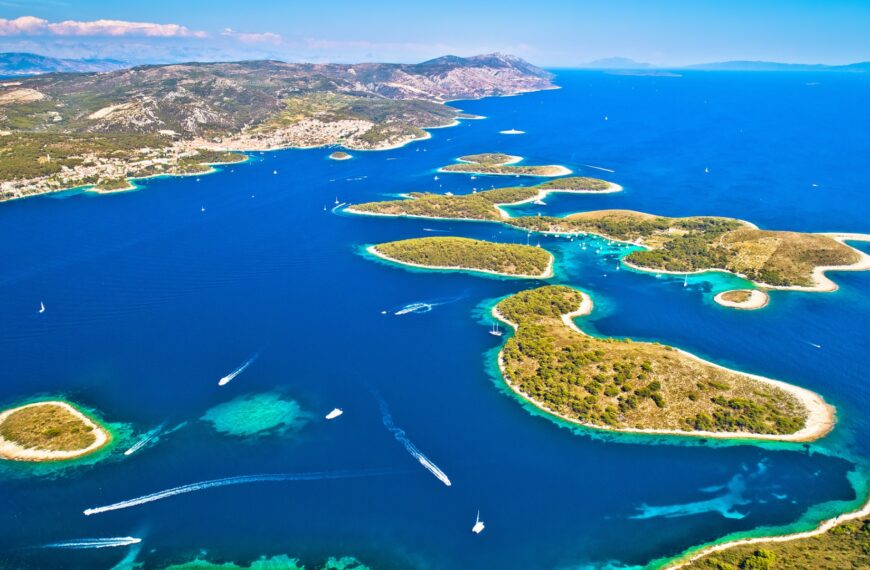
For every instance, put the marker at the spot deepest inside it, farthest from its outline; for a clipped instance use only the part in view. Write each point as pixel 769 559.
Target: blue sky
pixel 554 33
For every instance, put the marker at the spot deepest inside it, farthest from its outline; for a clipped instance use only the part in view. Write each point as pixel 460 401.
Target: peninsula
pixel 494 163
pixel 67 130
pixel 484 205
pixel 841 542
pixel 52 430
pixel 641 387
pixel 770 259
pixel 456 253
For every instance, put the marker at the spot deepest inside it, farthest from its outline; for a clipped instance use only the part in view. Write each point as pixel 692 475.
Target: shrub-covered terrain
pixel 616 383
pixel 476 206
pixel 844 547
pixel 504 258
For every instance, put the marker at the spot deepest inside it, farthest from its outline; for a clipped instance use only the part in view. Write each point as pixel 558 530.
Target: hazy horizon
pixel 552 33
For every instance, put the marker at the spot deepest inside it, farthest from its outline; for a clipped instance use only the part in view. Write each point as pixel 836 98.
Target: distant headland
pixel 70 130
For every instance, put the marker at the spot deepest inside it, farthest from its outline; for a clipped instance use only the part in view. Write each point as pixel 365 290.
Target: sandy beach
pixel 15 452
pixel 548 272
pixel 820 415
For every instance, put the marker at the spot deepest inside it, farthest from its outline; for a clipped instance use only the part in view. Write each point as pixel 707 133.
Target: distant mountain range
pixel 14 64
pixel 625 63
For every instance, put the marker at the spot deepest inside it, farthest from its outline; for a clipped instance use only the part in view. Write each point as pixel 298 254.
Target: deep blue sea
pixel 150 301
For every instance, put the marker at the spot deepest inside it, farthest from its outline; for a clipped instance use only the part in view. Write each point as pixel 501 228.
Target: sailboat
pixel 686 281
pixel 495 331
pixel 274 172
pixel 41 307
pixel 336 201
pixel 478 525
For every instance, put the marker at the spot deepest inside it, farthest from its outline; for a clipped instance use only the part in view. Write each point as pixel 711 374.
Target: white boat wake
pixel 599 168
pixel 227 481
pixel 148 437
pixel 409 446
pixel 415 308
pixel 229 377
pixel 420 307
pixel 84 543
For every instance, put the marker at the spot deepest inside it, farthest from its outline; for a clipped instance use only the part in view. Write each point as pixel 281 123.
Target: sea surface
pixel 153 296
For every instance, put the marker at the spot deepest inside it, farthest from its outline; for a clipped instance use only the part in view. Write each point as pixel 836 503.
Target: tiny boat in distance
pixel 41 307
pixel 334 413
pixel 495 331
pixel 274 172
pixel 478 525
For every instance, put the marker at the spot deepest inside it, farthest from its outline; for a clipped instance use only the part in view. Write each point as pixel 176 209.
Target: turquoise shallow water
pixel 150 302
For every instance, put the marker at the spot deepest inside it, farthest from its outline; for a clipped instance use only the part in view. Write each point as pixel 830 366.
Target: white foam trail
pixel 227 481
pixel 415 308
pixel 599 168
pixel 337 206
pixel 83 543
pixel 229 377
pixel 412 449
pixel 149 436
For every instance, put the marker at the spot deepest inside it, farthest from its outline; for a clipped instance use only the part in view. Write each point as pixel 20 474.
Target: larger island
pixel 769 258
pixel 642 387
pixel 65 130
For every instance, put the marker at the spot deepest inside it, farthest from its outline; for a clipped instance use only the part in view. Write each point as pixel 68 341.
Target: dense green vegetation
pixel 576 183
pixel 625 384
pixel 515 169
pixel 690 244
pixel 505 258
pixel 488 158
pixel 476 206
pixel 703 243
pixel 846 546
pixel 46 426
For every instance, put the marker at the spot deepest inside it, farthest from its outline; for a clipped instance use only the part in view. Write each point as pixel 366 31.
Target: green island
pixel 846 545
pixel 771 259
pixel 508 259
pixel 501 164
pixel 482 206
pixel 340 155
pixel 49 431
pixel 622 385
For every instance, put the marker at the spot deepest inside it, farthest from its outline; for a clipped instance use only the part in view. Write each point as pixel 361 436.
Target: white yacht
pixel 495 330
pixel 478 525
pixel 41 307
pixel 334 413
